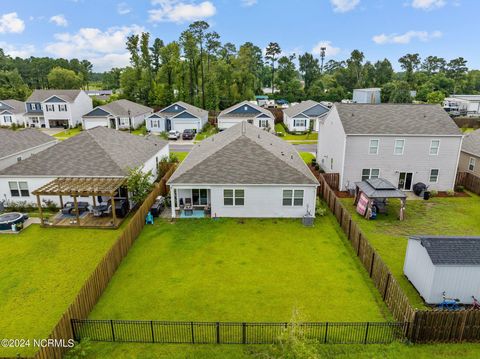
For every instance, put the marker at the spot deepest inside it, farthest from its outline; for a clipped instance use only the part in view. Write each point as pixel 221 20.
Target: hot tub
pixel 7 219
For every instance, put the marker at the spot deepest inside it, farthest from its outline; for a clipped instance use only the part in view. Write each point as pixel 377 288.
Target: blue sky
pixel 96 30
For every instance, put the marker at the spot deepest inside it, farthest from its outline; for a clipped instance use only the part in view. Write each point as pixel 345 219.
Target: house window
pixel 471 164
pixel 14 191
pixel 262 123
pixel 24 192
pixel 373 147
pixel 434 147
pixel 245 108
pixel 250 122
pixel 49 108
pixel 293 197
pixel 62 108
pixel 299 123
pixel 434 175
pixel 19 189
pixel 399 147
pixel 369 173
pixel 33 106
pixel 7 119
pixel 233 197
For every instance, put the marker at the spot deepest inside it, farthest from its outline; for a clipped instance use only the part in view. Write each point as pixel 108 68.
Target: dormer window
pixel 33 106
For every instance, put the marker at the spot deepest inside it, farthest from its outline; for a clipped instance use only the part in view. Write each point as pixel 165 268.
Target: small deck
pixel 87 220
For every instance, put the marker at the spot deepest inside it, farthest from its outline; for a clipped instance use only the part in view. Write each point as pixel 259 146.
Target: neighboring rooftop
pixel 471 143
pixel 252 110
pixel 304 106
pixel 444 250
pixel 396 119
pixel 13 106
pixel 99 152
pixel 13 142
pixel 121 108
pixel 183 106
pixel 243 154
pixel 42 95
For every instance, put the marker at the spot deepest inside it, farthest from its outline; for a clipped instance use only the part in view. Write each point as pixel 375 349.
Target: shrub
pixel 317 167
pixel 314 161
pixel 459 188
pixel 80 350
pixel 321 170
pixel 20 206
pixel 50 205
pixel 320 209
pixel 433 193
pixel 450 193
pixel 164 135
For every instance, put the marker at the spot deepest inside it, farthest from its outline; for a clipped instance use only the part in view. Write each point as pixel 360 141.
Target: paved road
pixel 186 147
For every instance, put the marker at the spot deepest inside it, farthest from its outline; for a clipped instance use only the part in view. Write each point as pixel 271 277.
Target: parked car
pixel 173 135
pixel 188 134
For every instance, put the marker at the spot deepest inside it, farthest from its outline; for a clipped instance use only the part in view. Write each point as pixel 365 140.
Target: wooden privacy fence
pixel 98 280
pixel 143 331
pixel 469 181
pixel 425 326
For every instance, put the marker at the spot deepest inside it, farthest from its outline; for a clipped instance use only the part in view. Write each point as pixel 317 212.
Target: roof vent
pixel 353 114
pixel 282 153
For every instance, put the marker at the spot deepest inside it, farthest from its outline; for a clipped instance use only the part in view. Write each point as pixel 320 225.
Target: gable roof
pixel 99 152
pixel 42 95
pixel 396 119
pixel 444 250
pixel 243 154
pixel 230 112
pixel 471 143
pixel 193 110
pixel 13 106
pixel 120 108
pixel 17 141
pixel 303 106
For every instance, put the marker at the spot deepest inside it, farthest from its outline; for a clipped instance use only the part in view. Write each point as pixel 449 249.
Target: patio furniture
pixel 121 206
pixel 67 208
pixel 149 218
pixel 188 209
pixel 158 206
pixel 101 209
pixel 208 210
pixel 82 207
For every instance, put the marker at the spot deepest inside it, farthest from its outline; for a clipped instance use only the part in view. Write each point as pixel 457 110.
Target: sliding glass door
pixel 200 197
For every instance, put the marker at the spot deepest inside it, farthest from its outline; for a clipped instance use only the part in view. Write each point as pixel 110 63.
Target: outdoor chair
pixel 67 208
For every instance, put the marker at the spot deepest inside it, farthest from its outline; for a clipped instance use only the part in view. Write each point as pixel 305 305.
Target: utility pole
pixel 322 57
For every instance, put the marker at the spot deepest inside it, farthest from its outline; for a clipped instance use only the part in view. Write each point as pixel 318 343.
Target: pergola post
pixel 39 205
pixel 114 212
pixel 75 203
pixel 173 201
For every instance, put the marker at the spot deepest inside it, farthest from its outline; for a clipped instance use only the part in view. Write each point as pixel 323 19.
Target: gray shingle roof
pixel 471 143
pixel 15 106
pixel 380 188
pixel 444 250
pixel 42 95
pixel 196 111
pixel 248 156
pixel 121 107
pixel 226 113
pixel 12 142
pixel 302 106
pixel 396 119
pixel 93 153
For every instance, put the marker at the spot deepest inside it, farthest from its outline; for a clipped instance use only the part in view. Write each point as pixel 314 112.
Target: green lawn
pixel 241 270
pixel 210 131
pixel 68 133
pixel 306 138
pixel 446 216
pixel 307 157
pixel 41 271
pixel 180 155
pixel 467 129
pixel 141 131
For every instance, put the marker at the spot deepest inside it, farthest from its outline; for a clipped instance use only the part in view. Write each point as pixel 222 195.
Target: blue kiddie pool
pixel 7 219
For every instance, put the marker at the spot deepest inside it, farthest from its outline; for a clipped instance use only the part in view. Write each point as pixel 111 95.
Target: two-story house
pixel 470 156
pixel 403 143
pixel 246 111
pixel 11 113
pixel 179 116
pixel 56 108
pixel 304 116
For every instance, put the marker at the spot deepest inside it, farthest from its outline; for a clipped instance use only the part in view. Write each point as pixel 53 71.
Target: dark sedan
pixel 188 134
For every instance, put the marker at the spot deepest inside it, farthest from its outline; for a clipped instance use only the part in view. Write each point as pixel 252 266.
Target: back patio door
pixel 200 197
pixel 405 181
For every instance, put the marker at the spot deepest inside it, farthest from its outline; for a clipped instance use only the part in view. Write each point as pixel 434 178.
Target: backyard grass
pixel 68 133
pixel 307 157
pixel 141 131
pixel 241 270
pixel 467 129
pixel 41 271
pixel 210 131
pixel 180 155
pixel 305 138
pixel 438 216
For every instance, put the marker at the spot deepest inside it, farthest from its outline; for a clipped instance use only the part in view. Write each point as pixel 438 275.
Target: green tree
pixel 401 93
pixel 12 86
pixel 60 78
pixel 271 54
pixel 309 68
pixel 410 63
pixel 435 97
pixel 139 184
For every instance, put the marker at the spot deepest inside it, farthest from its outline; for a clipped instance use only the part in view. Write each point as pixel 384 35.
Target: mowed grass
pixel 41 271
pixel 68 133
pixel 307 157
pixel 438 216
pixel 180 155
pixel 305 138
pixel 241 270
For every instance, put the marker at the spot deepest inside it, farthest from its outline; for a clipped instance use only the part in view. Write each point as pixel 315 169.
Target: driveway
pixel 52 131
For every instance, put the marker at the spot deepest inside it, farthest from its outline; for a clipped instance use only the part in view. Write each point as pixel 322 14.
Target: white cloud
pixel 249 2
pixel 59 20
pixel 428 4
pixel 179 11
pixel 344 5
pixel 22 51
pixel 123 8
pixel 108 61
pixel 11 23
pixel 405 38
pixel 330 50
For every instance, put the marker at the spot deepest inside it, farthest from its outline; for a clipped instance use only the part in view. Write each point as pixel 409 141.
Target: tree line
pixel 201 69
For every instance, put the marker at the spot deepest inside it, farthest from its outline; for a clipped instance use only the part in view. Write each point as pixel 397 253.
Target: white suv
pixel 173 135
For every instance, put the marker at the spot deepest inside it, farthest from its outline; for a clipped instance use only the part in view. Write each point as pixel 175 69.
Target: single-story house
pixel 304 116
pixel 244 172
pixel 402 143
pixel 11 113
pixel 436 264
pixel 16 146
pixel 246 112
pixel 120 114
pixel 96 153
pixel 179 116
pixel 470 155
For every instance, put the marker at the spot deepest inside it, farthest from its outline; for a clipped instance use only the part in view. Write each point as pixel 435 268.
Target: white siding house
pixel 179 116
pixel 56 108
pixel 244 172
pixel 246 112
pixel 304 116
pixel 444 264
pixel 11 113
pixel 368 95
pixel 403 144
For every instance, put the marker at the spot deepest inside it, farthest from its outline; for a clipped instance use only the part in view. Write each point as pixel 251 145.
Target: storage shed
pixel 437 264
pixel 368 95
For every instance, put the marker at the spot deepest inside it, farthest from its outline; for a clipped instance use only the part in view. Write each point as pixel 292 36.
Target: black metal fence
pixel 235 333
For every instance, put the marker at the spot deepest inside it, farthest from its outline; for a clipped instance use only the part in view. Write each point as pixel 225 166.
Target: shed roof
pixel 471 143
pixel 446 250
pixel 380 188
pixel 17 141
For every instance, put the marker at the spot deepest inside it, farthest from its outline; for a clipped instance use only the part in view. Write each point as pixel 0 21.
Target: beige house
pixel 470 155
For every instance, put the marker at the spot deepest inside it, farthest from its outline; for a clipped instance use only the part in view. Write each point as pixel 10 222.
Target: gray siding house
pixel 246 111
pixel 179 116
pixel 402 143
pixel 304 116
pixel 470 156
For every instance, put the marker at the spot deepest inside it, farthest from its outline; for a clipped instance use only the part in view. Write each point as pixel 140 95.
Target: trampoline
pixel 7 219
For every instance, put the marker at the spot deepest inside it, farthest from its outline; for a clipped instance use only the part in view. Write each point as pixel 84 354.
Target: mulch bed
pixel 457 194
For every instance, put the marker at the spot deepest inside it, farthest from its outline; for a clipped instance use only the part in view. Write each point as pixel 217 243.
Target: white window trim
pixel 295 120
pixel 430 175
pixel 293 197
pixel 438 148
pixel 472 161
pixel 370 146
pixel 233 197
pixel 260 120
pixel 395 146
pixel 370 172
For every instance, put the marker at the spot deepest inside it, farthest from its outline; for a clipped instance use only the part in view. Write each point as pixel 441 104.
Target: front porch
pixel 190 202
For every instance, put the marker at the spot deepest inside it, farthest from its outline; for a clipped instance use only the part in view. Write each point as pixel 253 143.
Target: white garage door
pixel 89 123
pixel 184 125
pixel 225 123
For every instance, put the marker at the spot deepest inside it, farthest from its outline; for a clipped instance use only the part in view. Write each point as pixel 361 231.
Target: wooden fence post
pixel 372 263
pixel 386 286
pixel 113 331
